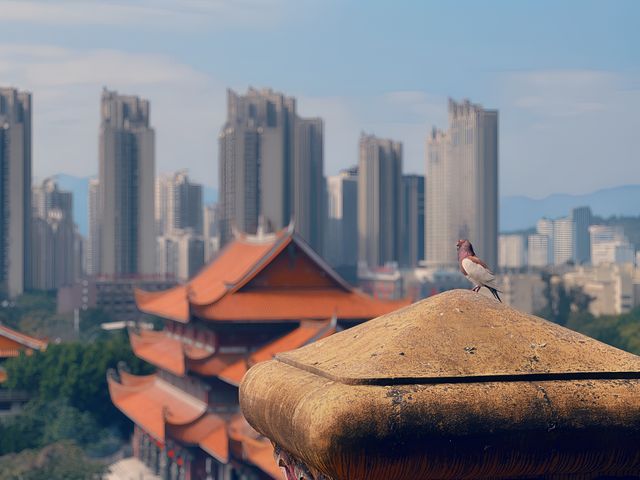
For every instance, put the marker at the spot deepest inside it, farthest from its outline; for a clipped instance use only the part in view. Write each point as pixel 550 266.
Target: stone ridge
pixel 460 337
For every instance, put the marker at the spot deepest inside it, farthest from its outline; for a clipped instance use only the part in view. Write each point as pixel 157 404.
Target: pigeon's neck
pixel 464 253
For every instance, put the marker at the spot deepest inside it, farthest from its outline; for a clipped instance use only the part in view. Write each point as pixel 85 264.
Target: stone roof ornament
pixel 455 386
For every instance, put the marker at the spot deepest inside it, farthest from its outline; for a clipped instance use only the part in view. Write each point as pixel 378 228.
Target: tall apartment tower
pixel 462 185
pixel 92 251
pixel 341 246
pixel 563 241
pixel 379 201
pixel 126 186
pixel 581 218
pixel 15 191
pixel 178 204
pixel 54 238
pixel 271 164
pixel 412 239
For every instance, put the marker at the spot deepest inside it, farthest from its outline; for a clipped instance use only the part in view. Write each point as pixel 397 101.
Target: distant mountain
pixel 520 213
pixel 80 188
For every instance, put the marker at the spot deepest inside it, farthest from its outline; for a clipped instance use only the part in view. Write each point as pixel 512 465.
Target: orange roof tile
pixel 216 444
pixel 305 333
pixel 295 305
pixel 159 349
pixel 151 404
pixel 256 448
pixel 22 339
pixel 172 303
pixel 213 365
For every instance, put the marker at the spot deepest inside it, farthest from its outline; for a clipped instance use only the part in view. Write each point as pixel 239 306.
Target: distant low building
pixel 614 288
pixel 538 250
pixel 610 245
pixel 382 282
pixel 523 291
pixel 423 282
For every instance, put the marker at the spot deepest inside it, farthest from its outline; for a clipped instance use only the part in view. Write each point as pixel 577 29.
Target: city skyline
pixel 543 81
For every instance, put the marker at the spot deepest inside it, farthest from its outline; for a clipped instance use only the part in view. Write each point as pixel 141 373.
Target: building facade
pixel 271 164
pixel 413 225
pixel 379 201
pixel 462 185
pixel 511 252
pixel 563 241
pixel 15 191
pixel 54 242
pixel 178 204
pixel 341 245
pixel 581 218
pixel 126 186
pixel 609 245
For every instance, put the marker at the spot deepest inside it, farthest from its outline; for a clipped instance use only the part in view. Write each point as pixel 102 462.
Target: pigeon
pixel 475 269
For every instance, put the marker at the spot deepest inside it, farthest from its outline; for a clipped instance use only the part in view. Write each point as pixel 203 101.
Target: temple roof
pixel 280 269
pixel 166 412
pixel 13 342
pixel 487 391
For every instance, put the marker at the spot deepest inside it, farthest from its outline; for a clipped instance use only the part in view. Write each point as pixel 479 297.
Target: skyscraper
pixel 126 186
pixel 271 164
pixel 581 218
pixel 462 185
pixel 15 191
pixel 412 240
pixel 341 247
pixel 178 204
pixel 54 237
pixel 379 200
pixel 511 251
pixel 562 241
pixel 92 252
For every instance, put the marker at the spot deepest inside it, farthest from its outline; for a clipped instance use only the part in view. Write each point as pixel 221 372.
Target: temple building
pixel 261 295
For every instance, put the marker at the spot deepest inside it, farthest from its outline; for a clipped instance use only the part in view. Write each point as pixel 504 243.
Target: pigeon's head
pixel 464 246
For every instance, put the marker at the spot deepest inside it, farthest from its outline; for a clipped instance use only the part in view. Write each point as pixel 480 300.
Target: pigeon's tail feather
pixel 494 291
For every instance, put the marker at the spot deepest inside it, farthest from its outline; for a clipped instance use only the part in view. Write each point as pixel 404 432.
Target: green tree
pixel 59 461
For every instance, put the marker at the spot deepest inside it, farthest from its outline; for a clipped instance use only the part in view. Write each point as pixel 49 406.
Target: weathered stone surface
pixel 455 386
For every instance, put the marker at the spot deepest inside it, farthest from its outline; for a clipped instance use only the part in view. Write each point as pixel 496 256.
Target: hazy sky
pixel 565 76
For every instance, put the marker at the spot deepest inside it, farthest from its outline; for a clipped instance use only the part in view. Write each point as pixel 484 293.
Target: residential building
pixel 563 241
pixel 611 287
pixel 271 164
pixel 180 255
pixel 511 252
pixel 54 238
pixel 92 253
pixel 211 231
pixel 15 191
pixel 462 185
pixel 341 245
pixel 610 245
pixel 523 291
pixel 379 201
pixel 412 228
pixel 538 247
pixel 178 204
pixel 581 218
pixel 126 186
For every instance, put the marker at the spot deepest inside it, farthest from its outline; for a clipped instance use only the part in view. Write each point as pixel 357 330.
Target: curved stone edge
pixel 429 431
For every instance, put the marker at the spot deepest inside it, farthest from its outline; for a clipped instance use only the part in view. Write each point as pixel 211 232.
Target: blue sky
pixel 565 76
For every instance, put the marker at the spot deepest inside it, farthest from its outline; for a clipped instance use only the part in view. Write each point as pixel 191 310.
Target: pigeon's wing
pixel 479 272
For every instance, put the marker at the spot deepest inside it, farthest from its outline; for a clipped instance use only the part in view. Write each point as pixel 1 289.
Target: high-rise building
pixel 379 201
pixel 53 246
pixel 412 211
pixel 462 185
pixel 544 226
pixel 92 252
pixel 341 245
pixel 178 204
pixel 126 186
pixel 211 231
pixel 562 241
pixel 581 218
pixel 511 251
pixel 538 250
pixel 15 191
pixel 271 164
pixel 180 255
